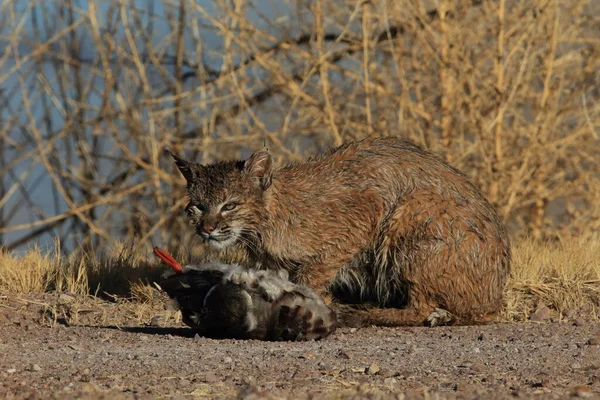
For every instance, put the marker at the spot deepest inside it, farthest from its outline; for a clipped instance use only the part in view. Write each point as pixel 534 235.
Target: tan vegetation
pixel 507 91
pixel 561 275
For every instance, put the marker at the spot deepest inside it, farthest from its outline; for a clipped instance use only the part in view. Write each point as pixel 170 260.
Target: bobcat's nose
pixel 208 229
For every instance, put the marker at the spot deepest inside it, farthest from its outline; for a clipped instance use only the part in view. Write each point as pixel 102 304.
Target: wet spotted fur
pixel 228 301
pixel 392 231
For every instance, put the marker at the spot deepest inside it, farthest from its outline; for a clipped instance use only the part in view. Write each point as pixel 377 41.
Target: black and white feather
pixel 229 301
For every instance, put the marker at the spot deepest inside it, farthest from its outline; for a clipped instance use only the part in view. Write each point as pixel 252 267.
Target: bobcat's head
pixel 227 197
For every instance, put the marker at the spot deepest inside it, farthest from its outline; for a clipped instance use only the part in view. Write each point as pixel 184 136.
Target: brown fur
pixel 379 222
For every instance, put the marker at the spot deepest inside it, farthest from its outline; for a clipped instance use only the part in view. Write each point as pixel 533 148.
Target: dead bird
pixel 228 301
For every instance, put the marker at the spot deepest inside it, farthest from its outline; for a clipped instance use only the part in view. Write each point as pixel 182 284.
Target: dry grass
pixel 122 272
pixel 563 274
pixel 34 272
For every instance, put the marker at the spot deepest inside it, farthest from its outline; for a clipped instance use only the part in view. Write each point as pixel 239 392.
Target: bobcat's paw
pixel 439 316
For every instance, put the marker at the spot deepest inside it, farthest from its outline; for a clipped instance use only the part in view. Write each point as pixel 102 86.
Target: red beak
pixel 167 259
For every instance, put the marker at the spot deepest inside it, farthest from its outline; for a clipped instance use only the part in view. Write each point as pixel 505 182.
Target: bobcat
pixel 395 234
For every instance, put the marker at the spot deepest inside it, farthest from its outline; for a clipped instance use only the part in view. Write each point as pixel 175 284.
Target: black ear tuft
pixel 260 165
pixel 190 171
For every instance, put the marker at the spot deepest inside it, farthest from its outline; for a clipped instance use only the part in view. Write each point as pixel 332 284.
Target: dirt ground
pixel 66 347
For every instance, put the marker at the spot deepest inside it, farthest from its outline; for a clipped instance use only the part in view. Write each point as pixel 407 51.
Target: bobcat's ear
pixel 190 171
pixel 260 165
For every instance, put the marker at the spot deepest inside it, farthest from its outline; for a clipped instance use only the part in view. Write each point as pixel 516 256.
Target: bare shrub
pixel 505 90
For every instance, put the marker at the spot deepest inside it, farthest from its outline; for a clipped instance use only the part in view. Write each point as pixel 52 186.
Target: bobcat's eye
pixel 196 209
pixel 229 206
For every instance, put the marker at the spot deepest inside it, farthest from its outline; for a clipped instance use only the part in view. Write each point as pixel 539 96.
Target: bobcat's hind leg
pixel 356 316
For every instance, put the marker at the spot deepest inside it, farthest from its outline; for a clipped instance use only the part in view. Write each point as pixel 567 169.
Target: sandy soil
pixel 62 347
